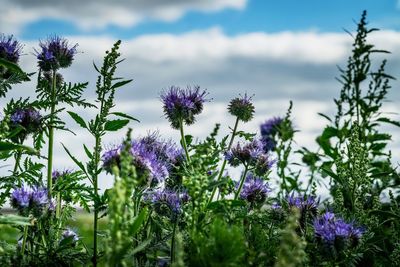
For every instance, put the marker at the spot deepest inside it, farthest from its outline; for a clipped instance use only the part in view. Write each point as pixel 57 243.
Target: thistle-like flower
pixel 20 198
pixel 29 118
pixel 335 232
pixel 242 108
pixel 57 175
pixel 308 206
pixel 10 48
pixel 255 190
pixel 269 130
pixel 166 202
pixel 111 158
pixel 29 200
pixel 247 153
pixel 69 233
pixel 55 53
pixel 182 105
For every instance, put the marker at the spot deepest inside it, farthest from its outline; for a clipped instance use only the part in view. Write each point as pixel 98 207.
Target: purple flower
pixel 29 118
pixel 308 203
pixel 254 189
pixel 268 131
pixel 39 197
pixel 246 153
pixel 111 158
pixel 21 197
pixel 334 231
pixel 182 105
pixel 55 53
pixel 56 175
pixel 166 202
pixel 10 48
pixel 242 108
pixel 69 233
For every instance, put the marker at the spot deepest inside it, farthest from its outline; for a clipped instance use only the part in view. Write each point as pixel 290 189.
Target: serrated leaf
pixel 115 125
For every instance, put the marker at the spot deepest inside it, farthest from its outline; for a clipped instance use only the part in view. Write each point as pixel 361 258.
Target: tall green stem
pixel 224 162
pixel 172 254
pixel 51 136
pixel 241 182
pixel 24 240
pixel 96 193
pixel 184 141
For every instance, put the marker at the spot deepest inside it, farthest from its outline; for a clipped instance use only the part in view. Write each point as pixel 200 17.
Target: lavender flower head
pixel 21 197
pixel 69 233
pixel 304 203
pixel 334 231
pixel 182 105
pixel 10 48
pixel 246 153
pixel 166 202
pixel 56 175
pixel 111 158
pixel 242 108
pixel 29 118
pixel 268 131
pixel 55 53
pixel 39 197
pixel 255 190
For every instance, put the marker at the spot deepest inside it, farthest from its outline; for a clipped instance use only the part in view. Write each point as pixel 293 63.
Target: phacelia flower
pixel 246 153
pixel 55 53
pixel 335 232
pixel 182 105
pixel 255 190
pixel 307 205
pixel 69 233
pixel 39 197
pixel 21 197
pixel 10 48
pixel 56 175
pixel 242 107
pixel 269 130
pixel 29 118
pixel 167 202
pixel 111 158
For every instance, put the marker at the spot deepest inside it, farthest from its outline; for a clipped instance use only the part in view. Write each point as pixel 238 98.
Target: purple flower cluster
pixel 242 108
pixel 10 48
pixel 255 190
pixel 152 157
pixel 167 202
pixel 55 53
pixel 69 233
pixel 268 131
pixel 250 154
pixel 334 231
pixel 26 199
pixel 182 105
pixel 29 118
pixel 56 175
pixel 308 206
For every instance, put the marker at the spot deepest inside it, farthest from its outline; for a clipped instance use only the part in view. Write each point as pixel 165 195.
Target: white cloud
pixel 275 67
pixel 95 14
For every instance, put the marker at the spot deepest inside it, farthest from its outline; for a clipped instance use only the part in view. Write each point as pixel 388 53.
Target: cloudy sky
pixel 277 50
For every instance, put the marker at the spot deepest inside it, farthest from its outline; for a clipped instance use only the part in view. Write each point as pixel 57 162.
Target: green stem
pixel 51 137
pixel 24 240
pixel 184 141
pixel 17 160
pixel 241 182
pixel 172 255
pixel 58 207
pixel 224 162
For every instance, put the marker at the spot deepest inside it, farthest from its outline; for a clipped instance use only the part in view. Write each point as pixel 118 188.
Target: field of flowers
pixel 176 204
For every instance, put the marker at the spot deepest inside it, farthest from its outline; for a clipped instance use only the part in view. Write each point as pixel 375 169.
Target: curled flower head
pixel 167 202
pixel 57 175
pixel 111 157
pixel 269 130
pixel 308 206
pixel 335 232
pixel 39 196
pixel 255 190
pixel 29 118
pixel 55 53
pixel 10 48
pixel 20 198
pixel 242 108
pixel 69 233
pixel 182 105
pixel 246 153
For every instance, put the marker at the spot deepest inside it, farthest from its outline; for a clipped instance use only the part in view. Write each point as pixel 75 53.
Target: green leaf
pixel 77 162
pixel 15 220
pixel 123 115
pixel 115 125
pixel 119 84
pixel 8 146
pixel 11 66
pixel 387 120
pixel 137 223
pixel 87 151
pixel 78 119
pixel 141 246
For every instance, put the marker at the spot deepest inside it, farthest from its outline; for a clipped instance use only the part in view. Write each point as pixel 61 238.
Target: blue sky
pixel 275 50
pixel 258 15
